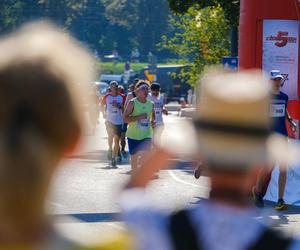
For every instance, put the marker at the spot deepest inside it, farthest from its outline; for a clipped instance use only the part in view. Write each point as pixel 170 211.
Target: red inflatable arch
pixel 253 18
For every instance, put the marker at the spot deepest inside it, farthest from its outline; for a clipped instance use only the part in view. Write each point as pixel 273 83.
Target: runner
pixel 159 108
pixel 131 94
pixel 279 114
pixel 112 110
pixel 122 153
pixel 139 114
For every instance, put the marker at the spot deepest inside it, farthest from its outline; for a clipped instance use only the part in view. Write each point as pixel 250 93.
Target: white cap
pixel 275 74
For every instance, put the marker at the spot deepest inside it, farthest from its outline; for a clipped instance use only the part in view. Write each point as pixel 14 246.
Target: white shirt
pixel 158 108
pixel 114 106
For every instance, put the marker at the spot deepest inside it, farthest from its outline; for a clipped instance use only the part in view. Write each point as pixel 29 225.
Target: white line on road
pixel 172 174
pixel 55 204
pixel 115 225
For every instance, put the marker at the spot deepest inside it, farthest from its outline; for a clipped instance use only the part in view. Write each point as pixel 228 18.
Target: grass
pixel 118 68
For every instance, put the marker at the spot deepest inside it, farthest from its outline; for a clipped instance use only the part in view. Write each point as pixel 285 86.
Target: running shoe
pixel 281 205
pixel 258 199
pixel 113 162
pixel 109 154
pixel 119 159
pixel 124 154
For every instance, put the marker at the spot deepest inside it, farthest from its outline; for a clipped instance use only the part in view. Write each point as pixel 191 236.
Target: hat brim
pixel 228 149
pixel 276 77
pixel 243 150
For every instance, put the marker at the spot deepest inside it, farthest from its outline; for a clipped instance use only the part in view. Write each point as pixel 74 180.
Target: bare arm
pixel 290 120
pixel 164 110
pixel 103 109
pixel 154 161
pixel 130 118
pixel 153 116
pixel 128 99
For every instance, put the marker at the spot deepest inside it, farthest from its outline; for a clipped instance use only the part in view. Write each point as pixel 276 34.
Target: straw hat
pixel 233 121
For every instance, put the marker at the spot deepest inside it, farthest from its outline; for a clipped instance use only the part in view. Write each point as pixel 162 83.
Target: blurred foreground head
pixel 42 72
pixel 233 122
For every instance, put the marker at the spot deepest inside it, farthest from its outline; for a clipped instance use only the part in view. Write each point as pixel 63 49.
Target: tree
pixel 102 25
pixel 231 10
pixel 145 20
pixel 231 7
pixel 201 39
pixel 10 14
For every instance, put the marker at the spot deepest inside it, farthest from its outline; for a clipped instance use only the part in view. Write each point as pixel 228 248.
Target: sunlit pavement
pixel 85 194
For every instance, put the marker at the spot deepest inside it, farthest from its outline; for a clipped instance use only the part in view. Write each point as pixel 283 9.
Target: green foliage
pixel 118 68
pixel 102 25
pixel 10 12
pixel 201 39
pixel 144 20
pixel 231 7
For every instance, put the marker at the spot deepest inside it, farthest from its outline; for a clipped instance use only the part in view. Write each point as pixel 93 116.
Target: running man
pixel 139 114
pixel 279 114
pixel 112 110
pixel 131 94
pixel 159 109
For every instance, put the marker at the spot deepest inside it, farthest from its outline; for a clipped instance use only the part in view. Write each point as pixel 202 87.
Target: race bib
pixel 114 110
pixel 157 111
pixel 277 110
pixel 143 124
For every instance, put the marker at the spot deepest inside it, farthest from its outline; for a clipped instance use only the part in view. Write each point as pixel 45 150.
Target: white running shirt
pixel 114 106
pixel 158 108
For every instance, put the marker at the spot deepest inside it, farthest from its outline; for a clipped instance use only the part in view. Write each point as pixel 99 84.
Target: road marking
pixel 55 204
pixel 115 225
pixel 172 174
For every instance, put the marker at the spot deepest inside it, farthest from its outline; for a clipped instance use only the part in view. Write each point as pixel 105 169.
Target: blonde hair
pixel 43 72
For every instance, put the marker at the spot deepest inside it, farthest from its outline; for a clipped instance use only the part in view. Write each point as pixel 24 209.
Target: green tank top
pixel 142 129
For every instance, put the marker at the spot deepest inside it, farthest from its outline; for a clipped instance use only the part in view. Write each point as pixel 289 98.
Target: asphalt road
pixel 84 198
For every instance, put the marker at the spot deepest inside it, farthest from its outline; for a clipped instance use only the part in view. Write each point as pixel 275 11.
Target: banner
pixel 280 51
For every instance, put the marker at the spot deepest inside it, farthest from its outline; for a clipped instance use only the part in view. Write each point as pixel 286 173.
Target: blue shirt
pixel 278 107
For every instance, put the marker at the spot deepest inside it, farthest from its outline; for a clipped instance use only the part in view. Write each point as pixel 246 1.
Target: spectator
pixel 40 122
pixel 191 98
pixel 232 128
pixel 135 56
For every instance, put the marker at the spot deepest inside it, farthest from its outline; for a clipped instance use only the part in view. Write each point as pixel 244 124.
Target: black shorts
pixel 124 127
pixel 113 129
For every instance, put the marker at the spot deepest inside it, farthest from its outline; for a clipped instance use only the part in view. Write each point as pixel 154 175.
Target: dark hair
pixel 140 83
pixel 155 86
pixel 114 83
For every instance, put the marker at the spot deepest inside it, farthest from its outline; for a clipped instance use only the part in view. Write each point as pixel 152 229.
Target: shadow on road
pixel 89 217
pixel 97 156
pixel 278 218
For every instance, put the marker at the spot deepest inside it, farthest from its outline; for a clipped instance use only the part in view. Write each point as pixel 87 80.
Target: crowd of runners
pixel 137 116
